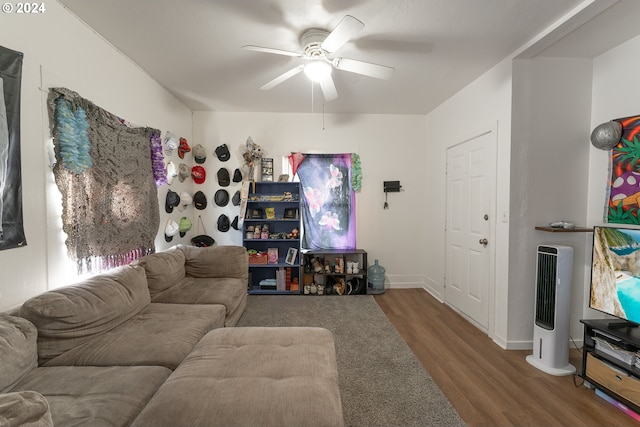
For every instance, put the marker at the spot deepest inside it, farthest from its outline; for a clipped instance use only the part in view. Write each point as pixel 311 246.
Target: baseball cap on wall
pixel 237 175
pixel 184 226
pixel 198 174
pixel 171 201
pixel 222 151
pixel 185 201
pixel 183 147
pixel 183 172
pixel 199 155
pixel 170 230
pixel 223 177
pixel 172 172
pixel 200 200
pixel 221 198
pixel 223 223
pixel 236 198
pixel 171 142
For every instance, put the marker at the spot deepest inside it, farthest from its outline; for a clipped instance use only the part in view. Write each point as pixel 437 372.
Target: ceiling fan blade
pixel 344 31
pixel 366 68
pixel 328 88
pixel 271 50
pixel 282 77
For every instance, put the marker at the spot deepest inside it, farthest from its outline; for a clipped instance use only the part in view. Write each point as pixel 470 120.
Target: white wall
pixel 59 50
pixel 549 163
pixel 391 147
pixel 484 105
pixel 615 95
pixel 545 110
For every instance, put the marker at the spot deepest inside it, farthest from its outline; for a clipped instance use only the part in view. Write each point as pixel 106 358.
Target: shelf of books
pixel 271 234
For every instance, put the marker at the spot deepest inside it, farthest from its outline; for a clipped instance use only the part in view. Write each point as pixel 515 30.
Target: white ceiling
pixel 193 47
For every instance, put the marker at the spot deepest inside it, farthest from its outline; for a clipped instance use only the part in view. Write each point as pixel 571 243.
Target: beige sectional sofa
pixel 147 345
pixel 185 274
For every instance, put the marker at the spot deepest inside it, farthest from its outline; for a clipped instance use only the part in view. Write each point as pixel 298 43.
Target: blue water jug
pixel 375 277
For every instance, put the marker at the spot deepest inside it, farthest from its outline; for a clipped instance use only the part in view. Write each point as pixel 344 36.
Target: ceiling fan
pixel 318 47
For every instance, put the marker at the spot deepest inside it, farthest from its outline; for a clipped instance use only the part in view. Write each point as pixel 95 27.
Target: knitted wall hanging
pixel 104 171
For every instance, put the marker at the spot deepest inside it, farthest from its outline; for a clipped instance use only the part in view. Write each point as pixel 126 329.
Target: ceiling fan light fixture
pixel 317 70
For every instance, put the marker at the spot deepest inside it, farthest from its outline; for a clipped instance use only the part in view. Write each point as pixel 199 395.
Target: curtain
pixel 11 226
pixel 105 174
pixel 328 202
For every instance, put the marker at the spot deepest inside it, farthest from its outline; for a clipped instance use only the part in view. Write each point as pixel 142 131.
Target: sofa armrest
pixel 25 408
pixel 216 261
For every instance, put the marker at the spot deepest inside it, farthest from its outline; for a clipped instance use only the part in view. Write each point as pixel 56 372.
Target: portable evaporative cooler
pixel 553 301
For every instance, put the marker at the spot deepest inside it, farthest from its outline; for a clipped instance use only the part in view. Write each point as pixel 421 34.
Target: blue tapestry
pixel 328 204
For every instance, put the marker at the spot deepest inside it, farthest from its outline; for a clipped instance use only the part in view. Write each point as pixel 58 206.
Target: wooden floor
pixel 487 385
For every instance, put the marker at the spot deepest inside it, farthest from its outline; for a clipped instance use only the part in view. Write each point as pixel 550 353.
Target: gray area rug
pixel 382 383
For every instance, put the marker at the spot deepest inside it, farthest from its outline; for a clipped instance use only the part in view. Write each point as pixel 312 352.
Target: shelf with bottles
pixel 274 279
pixel 339 272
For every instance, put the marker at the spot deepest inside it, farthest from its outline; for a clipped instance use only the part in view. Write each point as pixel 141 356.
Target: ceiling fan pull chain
pixel 323 116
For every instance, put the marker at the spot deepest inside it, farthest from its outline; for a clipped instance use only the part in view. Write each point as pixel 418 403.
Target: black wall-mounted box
pixel 392 186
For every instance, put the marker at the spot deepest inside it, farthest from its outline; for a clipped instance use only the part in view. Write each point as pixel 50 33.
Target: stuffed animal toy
pixel 252 157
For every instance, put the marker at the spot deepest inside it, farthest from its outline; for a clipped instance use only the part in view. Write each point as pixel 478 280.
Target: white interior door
pixel 470 208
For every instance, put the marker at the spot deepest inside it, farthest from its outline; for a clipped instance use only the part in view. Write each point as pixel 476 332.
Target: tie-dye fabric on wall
pixel 328 205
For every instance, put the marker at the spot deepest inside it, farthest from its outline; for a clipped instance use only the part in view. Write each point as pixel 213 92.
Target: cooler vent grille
pixel 546 280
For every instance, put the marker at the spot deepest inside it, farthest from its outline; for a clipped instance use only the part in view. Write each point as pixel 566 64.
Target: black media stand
pixel 619 324
pixel 608 360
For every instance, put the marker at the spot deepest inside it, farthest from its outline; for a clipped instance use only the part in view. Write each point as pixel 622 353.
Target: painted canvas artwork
pixel 623 201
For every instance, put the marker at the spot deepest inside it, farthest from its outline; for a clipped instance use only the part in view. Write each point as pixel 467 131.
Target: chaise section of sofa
pixel 192 275
pixel 108 320
pixel 258 376
pixel 66 395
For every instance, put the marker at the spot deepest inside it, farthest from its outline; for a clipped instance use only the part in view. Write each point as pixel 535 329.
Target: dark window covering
pixel 11 227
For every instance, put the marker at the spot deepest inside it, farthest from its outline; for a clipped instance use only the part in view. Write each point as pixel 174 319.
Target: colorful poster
pixel 623 201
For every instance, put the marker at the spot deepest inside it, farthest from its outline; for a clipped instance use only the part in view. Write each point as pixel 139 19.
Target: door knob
pixel 484 242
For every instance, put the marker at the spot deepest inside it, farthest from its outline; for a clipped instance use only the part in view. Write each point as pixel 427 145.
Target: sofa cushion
pixel 24 408
pixel 252 377
pixel 95 396
pixel 216 261
pixel 230 292
pixel 164 269
pixel 18 349
pixel 161 335
pixel 70 316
